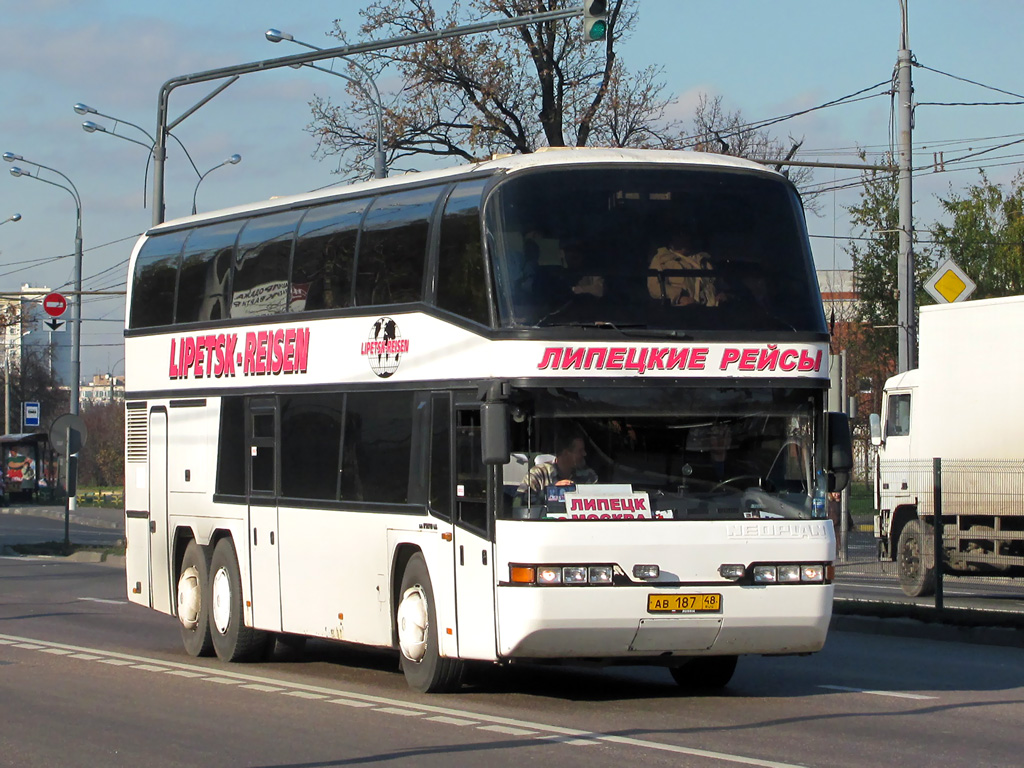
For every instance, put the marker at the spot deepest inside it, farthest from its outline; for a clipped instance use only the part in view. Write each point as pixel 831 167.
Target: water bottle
pixel 818 500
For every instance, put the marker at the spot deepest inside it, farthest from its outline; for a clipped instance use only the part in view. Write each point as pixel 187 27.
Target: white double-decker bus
pixel 363 415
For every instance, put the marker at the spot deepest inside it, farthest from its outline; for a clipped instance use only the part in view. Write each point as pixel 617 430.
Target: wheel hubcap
pixel 221 600
pixel 189 598
pixel 413 624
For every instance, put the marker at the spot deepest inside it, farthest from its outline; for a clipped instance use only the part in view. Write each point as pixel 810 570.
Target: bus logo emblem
pixel 384 347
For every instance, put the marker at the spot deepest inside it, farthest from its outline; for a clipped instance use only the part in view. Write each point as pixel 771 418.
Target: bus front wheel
pixel 424 668
pixel 193 606
pixel 232 640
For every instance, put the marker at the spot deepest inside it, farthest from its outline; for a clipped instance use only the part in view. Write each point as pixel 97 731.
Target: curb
pixel 960 625
pixel 58 514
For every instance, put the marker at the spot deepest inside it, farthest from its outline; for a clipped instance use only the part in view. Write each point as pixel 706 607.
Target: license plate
pixel 706 603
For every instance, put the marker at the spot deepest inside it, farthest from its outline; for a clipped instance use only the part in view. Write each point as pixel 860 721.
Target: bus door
pixel 264 564
pixel 474 549
pixel 160 579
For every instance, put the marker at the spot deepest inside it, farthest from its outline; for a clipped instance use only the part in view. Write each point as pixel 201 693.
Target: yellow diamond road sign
pixel 949 283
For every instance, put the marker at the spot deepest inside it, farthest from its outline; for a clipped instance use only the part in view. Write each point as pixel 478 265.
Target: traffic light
pixel 595 20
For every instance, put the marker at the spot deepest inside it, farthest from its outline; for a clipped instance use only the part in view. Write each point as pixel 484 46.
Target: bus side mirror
pixel 875 424
pixel 840 451
pixel 494 422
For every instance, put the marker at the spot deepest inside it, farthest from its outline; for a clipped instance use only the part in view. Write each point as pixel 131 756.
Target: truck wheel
pixel 422 664
pixel 232 640
pixel 916 558
pixel 705 673
pixel 193 608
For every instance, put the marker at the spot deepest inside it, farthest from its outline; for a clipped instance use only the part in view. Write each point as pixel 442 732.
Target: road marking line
pixel 304 695
pixel 262 688
pixel 183 673
pixel 28 646
pixel 452 720
pixel 220 680
pixel 56 651
pixel 571 740
pixel 116 662
pixel 351 703
pixel 894 694
pixel 85 656
pixel 367 700
pixel 143 667
pixel 398 711
pixel 101 600
pixel 507 730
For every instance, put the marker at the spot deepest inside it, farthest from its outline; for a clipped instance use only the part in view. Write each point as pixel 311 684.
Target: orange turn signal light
pixel 521 574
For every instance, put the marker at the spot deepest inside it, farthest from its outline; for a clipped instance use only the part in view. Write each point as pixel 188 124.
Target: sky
pixel 766 59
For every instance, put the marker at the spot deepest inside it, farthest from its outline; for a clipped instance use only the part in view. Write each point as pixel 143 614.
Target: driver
pixel 568 468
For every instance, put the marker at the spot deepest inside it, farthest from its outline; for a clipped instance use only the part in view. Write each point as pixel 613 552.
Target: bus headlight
pixel 765 574
pixel 558 575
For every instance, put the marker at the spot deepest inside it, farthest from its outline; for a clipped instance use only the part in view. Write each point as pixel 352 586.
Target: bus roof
pixel 546 157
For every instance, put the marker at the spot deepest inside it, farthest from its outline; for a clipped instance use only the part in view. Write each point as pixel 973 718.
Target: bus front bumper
pixel 615 623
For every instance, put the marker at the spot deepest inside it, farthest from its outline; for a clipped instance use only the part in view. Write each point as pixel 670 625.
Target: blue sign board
pixel 31 415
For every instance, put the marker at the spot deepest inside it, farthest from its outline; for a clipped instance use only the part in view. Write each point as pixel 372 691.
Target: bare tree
pixel 717 130
pixel 509 91
pixel 516 90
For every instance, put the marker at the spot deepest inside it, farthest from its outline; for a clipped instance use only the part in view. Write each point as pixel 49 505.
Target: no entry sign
pixel 54 304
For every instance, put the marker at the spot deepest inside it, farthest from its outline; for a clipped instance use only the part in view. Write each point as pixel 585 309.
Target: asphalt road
pixel 88 679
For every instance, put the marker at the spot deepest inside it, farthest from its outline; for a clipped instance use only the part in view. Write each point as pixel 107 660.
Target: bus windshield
pixel 673 248
pixel 661 453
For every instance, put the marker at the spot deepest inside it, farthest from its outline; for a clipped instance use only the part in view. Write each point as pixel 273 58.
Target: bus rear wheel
pixel 705 673
pixel 424 668
pixel 193 607
pixel 232 640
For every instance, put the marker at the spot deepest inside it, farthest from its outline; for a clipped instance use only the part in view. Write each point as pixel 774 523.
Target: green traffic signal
pixel 595 20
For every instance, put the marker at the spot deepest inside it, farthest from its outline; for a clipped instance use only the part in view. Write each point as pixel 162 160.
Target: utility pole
pixel 906 322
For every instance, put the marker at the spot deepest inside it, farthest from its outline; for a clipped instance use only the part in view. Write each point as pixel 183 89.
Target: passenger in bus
pixel 683 254
pixel 578 260
pixel 568 468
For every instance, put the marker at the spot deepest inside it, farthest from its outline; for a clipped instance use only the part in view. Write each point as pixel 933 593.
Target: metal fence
pixel 970 511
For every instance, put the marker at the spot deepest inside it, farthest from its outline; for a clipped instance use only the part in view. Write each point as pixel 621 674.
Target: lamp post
pixel 76 313
pixel 233 160
pixel 15 217
pixel 90 126
pixel 380 169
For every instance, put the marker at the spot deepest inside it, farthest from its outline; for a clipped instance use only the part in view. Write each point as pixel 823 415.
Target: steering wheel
pixel 734 480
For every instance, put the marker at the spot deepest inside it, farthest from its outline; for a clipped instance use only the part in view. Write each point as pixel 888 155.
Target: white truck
pixel 964 405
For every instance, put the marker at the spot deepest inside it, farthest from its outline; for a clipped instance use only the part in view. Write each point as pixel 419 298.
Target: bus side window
pixel 325 256
pixel 231 447
pixel 205 269
pixel 393 247
pixel 310 446
pixel 153 285
pixel 461 279
pixel 470 472
pixel 377 447
pixel 259 286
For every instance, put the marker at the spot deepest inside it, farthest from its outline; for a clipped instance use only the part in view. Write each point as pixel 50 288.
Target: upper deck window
pixel 656 248
pixel 325 253
pixel 156 274
pixel 205 271
pixel 461 278
pixel 260 283
pixel 393 247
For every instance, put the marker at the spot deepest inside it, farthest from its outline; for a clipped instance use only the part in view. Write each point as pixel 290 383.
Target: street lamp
pixel 15 217
pixel 90 126
pixel 233 160
pixel 76 316
pixel 380 169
